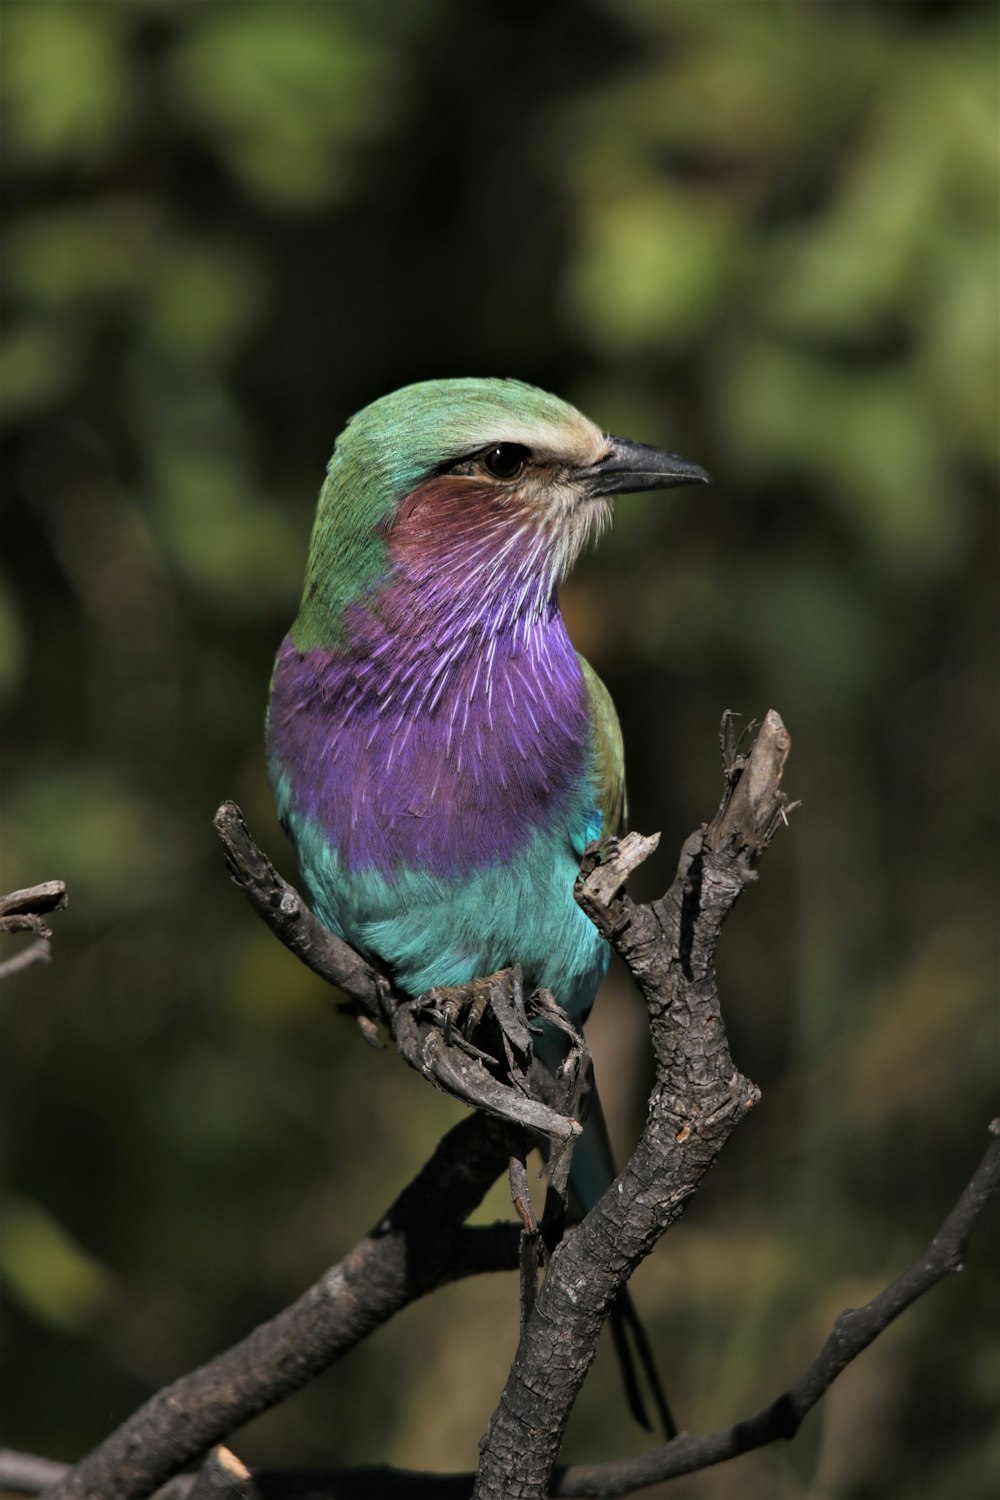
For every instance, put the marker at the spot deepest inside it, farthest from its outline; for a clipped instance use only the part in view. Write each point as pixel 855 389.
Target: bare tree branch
pixel 669 946
pixel 24 911
pixel 700 1097
pixel 852 1333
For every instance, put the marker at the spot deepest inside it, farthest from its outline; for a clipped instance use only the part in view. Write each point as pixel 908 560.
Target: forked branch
pixel 423 1241
pixel 853 1332
pixel 698 1100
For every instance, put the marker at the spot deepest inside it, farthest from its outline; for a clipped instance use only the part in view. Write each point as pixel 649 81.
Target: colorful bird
pixel 440 754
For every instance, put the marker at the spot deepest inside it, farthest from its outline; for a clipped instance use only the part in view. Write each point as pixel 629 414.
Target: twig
pixel 457 1069
pixel 24 911
pixel 38 952
pixel 26 1474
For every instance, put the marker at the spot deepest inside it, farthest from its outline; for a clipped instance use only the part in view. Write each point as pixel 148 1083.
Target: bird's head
pixel 445 470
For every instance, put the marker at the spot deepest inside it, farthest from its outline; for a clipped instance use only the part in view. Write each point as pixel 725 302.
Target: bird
pixel 440 754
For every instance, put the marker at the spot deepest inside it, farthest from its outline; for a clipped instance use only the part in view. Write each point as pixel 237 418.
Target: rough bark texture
pixel 699 1098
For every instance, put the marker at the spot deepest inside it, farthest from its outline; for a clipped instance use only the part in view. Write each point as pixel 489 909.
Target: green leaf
pixel 48 1271
pixel 652 267
pixel 287 94
pixel 38 364
pixel 69 91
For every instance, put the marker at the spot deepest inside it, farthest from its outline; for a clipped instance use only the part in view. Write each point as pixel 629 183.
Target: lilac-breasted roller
pixel 440 754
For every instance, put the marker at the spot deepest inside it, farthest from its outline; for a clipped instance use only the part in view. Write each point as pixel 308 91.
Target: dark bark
pixel 698 1100
pixel 853 1332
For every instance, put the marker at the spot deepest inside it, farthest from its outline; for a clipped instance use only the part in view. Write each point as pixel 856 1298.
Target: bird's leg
pixel 572 1070
pixel 574 1080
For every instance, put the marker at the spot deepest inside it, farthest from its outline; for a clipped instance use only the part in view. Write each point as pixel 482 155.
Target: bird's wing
pixel 609 754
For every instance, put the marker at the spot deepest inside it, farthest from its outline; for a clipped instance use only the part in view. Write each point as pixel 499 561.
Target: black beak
pixel 633 466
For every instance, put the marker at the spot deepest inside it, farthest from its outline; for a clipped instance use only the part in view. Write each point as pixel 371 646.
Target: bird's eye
pixel 505 461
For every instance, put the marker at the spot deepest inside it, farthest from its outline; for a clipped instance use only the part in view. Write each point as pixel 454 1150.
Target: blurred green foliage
pixel 762 232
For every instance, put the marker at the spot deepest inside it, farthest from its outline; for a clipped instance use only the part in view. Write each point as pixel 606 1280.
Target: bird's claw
pixel 460 1006
pixel 464 1007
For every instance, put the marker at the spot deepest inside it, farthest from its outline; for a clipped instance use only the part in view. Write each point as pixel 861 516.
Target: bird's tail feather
pixel 592 1171
pixel 634 1353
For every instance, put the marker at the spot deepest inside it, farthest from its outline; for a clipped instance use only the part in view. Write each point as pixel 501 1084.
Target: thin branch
pixel 34 900
pixel 852 1333
pixel 27 1474
pixel 38 952
pixel 421 1243
pixel 422 1039
pixel 25 911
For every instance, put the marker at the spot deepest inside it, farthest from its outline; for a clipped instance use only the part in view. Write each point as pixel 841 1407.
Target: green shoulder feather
pixel 609 754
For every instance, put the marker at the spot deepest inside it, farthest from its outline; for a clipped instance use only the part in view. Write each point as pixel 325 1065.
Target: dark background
pixel 763 234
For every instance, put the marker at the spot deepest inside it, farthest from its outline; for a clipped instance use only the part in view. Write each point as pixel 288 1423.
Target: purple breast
pixel 454 723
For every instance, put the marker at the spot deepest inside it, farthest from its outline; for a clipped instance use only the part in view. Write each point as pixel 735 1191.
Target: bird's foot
pixel 461 1006
pixel 460 1009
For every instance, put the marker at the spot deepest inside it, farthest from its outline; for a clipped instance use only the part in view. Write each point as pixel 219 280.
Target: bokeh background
pixel 762 233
